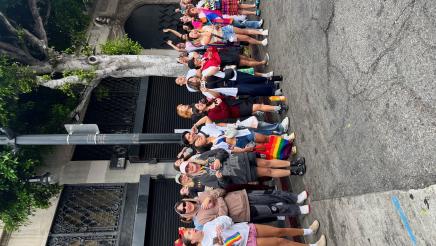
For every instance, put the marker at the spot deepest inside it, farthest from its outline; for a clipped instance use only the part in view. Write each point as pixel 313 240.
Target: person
pixel 222 231
pixel 242 205
pixel 223 57
pixel 227 7
pixel 221 108
pixel 208 35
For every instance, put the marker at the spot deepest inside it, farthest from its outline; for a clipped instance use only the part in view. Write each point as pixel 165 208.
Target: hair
pixel 176 167
pixel 184 113
pixel 184 140
pixel 196 85
pixel 204 148
pixel 188 11
pixel 192 65
pixel 187 242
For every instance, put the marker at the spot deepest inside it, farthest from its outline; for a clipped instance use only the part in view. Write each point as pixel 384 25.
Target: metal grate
pixel 112 107
pixel 161 117
pixel 88 215
pixel 162 220
pixel 157 17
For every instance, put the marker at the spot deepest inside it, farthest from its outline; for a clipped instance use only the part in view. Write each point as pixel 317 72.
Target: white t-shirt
pixel 214 130
pixel 238 232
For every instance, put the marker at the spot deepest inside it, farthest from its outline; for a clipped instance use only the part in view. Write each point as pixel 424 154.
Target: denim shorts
pixel 242 141
pixel 228 33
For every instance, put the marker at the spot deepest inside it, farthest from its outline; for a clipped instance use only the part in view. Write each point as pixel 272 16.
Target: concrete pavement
pixel 360 77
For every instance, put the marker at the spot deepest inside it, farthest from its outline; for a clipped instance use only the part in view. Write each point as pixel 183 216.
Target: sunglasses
pixel 183 208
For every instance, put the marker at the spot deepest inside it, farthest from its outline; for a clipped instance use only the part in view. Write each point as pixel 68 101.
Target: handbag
pixel 276 148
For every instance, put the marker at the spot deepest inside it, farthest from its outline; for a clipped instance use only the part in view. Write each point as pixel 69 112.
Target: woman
pixel 222 231
pixel 208 35
pixel 227 7
pixel 240 168
pixel 223 57
pixel 221 108
pixel 242 205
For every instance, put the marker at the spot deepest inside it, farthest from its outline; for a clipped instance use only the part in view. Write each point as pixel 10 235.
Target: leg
pixel 272 163
pixel 268 241
pixel 266 197
pixel 247 6
pixel 260 138
pixel 246 12
pixel 247 31
pixel 249 63
pixel 264 108
pixel 271 231
pixel 270 172
pixel 250 40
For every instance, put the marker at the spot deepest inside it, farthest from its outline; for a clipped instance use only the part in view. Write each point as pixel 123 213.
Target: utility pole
pixel 87 134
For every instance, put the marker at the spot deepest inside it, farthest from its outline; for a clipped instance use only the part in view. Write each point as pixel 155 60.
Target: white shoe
pixel 302 197
pixel 268 75
pixel 314 226
pixel 321 241
pixel 285 124
pixel 266 59
pixel 305 209
pixel 265 32
pixel 265 42
pixel 261 23
pixel 278 92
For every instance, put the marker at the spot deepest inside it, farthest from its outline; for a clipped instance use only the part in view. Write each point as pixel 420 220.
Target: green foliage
pixel 18 197
pixel 121 46
pixel 82 74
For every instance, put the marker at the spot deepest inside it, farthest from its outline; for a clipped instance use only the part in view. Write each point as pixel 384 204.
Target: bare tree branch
pixel 55 83
pixel 26 34
pixel 86 96
pixel 17 54
pixel 39 27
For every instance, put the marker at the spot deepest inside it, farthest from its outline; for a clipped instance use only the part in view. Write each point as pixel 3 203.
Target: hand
pixel 249 148
pixel 219 230
pixel 165 30
pixel 219 175
pixel 207 203
pixel 177 10
pixel 169 42
pixel 216 164
pixel 194 129
pixel 218 100
pixel 203 89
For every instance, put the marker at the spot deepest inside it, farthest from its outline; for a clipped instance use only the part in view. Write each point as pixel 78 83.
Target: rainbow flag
pixel 276 148
pixel 233 239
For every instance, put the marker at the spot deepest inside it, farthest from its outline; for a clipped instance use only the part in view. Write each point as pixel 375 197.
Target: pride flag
pixel 233 239
pixel 276 148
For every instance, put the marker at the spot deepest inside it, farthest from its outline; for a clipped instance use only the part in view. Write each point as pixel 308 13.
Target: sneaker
pixel 321 241
pixel 265 42
pixel 266 59
pixel 261 23
pixel 269 74
pixel 302 197
pixel 258 12
pixel 278 92
pixel 257 3
pixel 305 209
pixel 285 124
pixel 314 226
pixel 265 32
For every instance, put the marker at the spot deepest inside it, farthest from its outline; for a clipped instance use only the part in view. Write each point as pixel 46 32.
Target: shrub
pixel 121 46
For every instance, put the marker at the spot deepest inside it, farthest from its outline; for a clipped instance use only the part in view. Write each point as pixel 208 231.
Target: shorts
pixel 228 34
pixel 242 141
pixel 252 235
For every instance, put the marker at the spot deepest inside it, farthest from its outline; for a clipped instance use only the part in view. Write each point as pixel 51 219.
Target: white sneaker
pixel 260 22
pixel 268 75
pixel 285 124
pixel 302 197
pixel 321 241
pixel 278 92
pixel 265 42
pixel 314 226
pixel 265 32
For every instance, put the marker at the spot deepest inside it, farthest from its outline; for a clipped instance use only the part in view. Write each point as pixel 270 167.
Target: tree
pixel 29 46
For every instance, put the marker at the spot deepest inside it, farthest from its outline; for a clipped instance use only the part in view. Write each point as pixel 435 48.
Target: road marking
pixel 403 218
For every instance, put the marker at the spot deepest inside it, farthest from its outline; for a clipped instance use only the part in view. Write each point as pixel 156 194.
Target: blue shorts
pixel 228 33
pixel 242 141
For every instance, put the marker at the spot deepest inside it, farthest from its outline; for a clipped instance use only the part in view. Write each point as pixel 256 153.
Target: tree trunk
pixel 118 66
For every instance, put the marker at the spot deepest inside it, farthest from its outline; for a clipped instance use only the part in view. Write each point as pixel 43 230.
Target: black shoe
pixel 276 78
pixel 299 161
pixel 298 170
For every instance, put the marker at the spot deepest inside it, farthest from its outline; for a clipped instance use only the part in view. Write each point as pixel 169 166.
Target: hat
pixel 183 166
pixel 177 178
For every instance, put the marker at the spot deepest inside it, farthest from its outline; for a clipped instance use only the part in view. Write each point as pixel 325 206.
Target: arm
pixel 215 193
pixel 224 221
pixel 242 150
pixel 210 71
pixel 212 92
pixel 170 43
pixel 205 40
pixel 204 120
pixel 178 34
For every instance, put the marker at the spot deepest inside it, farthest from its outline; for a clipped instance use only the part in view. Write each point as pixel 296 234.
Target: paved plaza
pixel 360 78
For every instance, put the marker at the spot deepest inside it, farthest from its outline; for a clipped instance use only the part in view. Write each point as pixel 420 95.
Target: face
pixel 181 80
pixel 200 106
pixel 191 137
pixel 178 162
pixel 192 234
pixel 184 191
pixel 200 140
pixel 186 207
pixel 185 19
pixel 194 34
pixel 186 1
pixel 192 168
pixel 185 180
pixel 194 80
pixel 193 11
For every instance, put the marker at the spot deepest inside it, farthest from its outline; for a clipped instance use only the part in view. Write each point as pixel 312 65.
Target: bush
pixel 121 46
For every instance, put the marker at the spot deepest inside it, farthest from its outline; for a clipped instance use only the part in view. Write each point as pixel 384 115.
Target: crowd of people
pixel 229 154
